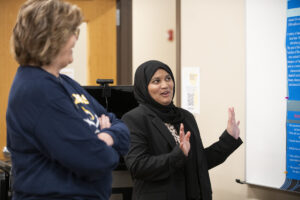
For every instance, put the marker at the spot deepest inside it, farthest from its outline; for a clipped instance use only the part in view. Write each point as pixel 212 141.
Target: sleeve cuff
pixel 179 158
pixel 231 140
pixel 111 134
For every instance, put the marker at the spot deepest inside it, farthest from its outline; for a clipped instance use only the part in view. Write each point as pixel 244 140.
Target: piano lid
pixel 118 100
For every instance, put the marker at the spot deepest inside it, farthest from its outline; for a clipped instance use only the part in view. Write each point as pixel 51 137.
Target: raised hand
pixel 184 140
pixel 233 126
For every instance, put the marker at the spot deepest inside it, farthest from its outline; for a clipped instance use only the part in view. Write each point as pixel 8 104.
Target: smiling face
pixel 161 87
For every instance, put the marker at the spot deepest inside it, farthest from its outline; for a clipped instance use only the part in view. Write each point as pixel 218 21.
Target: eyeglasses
pixel 76 33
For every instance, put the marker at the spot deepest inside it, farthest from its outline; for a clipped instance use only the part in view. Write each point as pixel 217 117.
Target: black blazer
pixel 156 163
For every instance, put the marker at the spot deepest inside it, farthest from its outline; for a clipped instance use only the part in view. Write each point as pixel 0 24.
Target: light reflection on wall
pixel 78 69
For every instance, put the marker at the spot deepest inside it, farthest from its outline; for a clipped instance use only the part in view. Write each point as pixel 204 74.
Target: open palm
pixel 184 140
pixel 233 126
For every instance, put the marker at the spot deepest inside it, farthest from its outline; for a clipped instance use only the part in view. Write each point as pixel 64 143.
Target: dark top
pixel 157 164
pixel 52 127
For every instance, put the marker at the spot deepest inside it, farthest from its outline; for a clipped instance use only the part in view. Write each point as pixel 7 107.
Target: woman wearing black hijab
pixel 166 159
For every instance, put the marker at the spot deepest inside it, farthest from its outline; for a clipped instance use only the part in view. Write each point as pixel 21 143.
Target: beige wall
pixel 79 67
pixel 213 38
pixel 151 19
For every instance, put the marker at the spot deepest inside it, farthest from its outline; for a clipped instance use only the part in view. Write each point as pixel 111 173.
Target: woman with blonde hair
pixel 63 143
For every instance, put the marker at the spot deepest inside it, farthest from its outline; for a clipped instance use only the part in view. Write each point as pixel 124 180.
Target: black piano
pixel 118 100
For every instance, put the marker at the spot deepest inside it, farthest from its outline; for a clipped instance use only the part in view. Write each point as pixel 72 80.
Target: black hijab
pixel 170 113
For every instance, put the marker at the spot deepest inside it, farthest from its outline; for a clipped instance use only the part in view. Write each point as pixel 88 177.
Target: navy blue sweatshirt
pixel 52 127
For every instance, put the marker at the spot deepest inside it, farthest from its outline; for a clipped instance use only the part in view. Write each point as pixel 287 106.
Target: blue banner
pixel 293 115
pixel 292 181
pixel 293 151
pixel 293 57
pixel 293 4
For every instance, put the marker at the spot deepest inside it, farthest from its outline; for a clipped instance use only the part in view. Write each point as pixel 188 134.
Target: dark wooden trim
pixel 124 43
pixel 178 52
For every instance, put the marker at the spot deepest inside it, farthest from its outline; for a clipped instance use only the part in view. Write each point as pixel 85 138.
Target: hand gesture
pixel 233 126
pixel 104 122
pixel 105 137
pixel 184 140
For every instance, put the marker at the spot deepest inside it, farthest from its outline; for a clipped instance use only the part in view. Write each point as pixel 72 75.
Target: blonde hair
pixel 41 30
